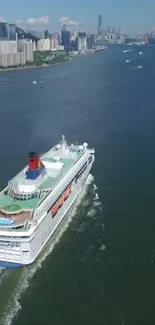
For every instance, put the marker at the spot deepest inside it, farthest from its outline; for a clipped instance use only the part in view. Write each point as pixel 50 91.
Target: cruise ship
pixel 36 200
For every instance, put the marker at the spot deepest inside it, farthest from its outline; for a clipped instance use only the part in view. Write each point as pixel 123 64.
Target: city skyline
pixel 131 16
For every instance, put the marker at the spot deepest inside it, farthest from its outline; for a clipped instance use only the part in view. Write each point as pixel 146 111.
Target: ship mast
pixel 63 145
pixel 63 138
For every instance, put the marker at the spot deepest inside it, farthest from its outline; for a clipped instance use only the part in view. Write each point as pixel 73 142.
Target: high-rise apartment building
pixel 26 47
pixel 9 54
pixel 8 47
pixel 54 44
pixel 44 44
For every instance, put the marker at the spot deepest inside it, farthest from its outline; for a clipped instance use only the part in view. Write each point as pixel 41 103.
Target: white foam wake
pixel 3 274
pixel 27 273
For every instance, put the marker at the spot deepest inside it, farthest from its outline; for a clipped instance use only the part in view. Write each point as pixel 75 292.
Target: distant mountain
pixel 23 33
pixel 8 31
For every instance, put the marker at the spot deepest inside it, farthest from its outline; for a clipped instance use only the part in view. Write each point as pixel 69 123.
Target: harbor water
pixel 100 266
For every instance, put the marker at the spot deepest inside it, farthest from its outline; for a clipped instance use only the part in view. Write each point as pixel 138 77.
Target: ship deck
pixel 51 181
pixel 7 201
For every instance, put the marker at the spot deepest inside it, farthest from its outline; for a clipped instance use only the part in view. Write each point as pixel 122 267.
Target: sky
pixel 132 16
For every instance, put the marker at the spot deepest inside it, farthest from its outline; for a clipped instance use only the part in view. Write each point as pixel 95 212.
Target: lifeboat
pixel 61 201
pixel 54 209
pixel 66 193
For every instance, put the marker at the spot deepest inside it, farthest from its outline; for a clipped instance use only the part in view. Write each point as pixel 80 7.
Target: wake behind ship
pixel 37 199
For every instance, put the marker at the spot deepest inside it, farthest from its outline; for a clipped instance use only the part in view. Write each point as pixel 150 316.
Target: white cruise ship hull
pixel 29 247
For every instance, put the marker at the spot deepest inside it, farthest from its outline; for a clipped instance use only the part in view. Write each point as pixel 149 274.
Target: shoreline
pixel 49 65
pixel 22 68
pixel 34 66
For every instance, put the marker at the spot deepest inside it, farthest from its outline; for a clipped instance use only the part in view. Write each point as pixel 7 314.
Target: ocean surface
pixel 100 266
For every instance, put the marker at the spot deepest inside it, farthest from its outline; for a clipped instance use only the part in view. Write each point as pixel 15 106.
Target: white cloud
pixel 63 20
pixel 18 21
pixel 67 21
pixel 39 20
pixel 34 21
pixel 73 23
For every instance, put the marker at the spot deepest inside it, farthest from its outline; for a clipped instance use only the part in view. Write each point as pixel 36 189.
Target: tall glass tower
pixel 99 25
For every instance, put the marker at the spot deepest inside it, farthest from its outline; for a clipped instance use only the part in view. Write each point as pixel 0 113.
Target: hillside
pixel 26 34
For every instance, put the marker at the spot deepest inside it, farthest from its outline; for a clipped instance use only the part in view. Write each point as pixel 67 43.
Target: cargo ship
pixel 35 201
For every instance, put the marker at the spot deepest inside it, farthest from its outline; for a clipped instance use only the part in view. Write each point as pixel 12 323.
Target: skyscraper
pixel 65 38
pixel 99 25
pixel 90 41
pixel 12 32
pixel 64 28
pixel 7 31
pixel 81 42
pixel 46 34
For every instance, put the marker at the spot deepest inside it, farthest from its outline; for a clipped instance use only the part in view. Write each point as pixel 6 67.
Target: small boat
pixel 126 51
pixel 34 82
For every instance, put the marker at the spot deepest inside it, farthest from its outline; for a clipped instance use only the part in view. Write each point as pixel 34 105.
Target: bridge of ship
pixel 19 210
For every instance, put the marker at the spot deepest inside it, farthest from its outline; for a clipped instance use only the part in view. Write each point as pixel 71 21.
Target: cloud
pixel 67 21
pixel 63 20
pixel 35 21
pixel 18 21
pixel 73 23
pixel 2 19
pixel 39 20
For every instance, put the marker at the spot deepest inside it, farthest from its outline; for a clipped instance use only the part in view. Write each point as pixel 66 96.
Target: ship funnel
pixel 35 166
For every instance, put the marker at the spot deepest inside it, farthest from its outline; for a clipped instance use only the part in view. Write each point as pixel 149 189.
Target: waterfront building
pixel 26 46
pixel 15 53
pixel 44 44
pixel 81 42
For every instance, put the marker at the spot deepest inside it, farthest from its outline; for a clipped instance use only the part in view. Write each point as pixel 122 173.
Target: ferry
pixel 35 201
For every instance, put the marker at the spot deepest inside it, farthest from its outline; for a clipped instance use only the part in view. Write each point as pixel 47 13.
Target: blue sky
pixel 131 15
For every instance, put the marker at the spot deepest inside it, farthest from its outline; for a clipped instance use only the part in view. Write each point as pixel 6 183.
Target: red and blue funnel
pixel 35 166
